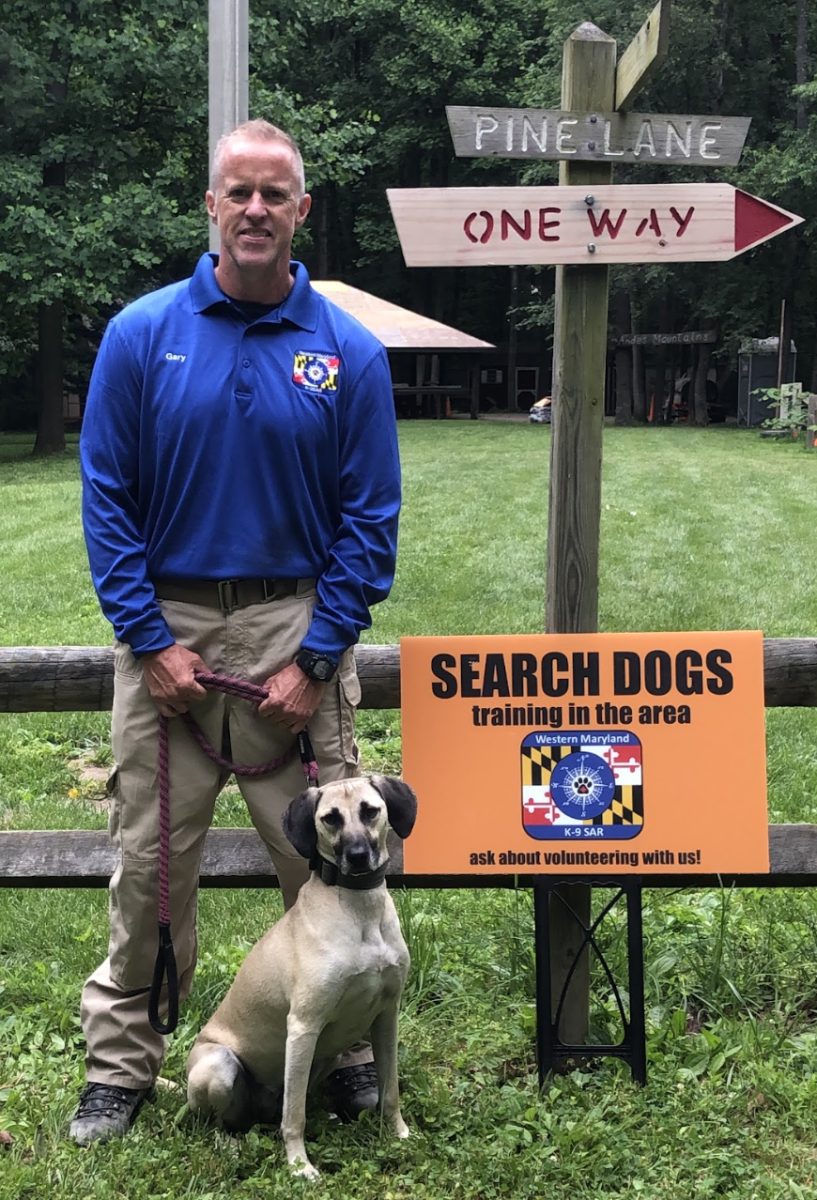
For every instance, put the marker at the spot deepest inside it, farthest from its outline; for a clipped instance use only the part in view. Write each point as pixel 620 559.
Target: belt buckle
pixel 228 595
pixel 267 590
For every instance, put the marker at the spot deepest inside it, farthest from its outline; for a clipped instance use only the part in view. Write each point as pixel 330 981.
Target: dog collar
pixel 329 874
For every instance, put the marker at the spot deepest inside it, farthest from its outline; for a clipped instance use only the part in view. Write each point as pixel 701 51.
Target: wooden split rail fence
pixel 80 679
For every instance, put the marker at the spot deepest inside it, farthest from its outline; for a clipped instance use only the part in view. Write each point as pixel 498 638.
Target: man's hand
pixel 169 676
pixel 293 698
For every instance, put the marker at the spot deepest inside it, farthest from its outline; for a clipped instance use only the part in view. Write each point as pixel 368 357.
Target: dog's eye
pixel 369 812
pixel 333 819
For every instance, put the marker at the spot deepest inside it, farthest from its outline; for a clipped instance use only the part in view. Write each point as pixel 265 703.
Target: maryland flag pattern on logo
pixel 582 785
pixel 316 372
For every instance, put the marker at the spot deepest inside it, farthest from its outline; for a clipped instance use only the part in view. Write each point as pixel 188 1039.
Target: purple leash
pixel 166 959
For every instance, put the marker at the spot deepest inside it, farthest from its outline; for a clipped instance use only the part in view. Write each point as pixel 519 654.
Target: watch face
pixel 321 669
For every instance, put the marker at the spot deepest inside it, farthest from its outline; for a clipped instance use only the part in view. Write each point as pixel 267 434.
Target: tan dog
pixel 329 973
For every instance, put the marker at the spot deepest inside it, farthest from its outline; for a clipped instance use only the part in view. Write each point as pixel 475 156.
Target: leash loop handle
pixel 165 967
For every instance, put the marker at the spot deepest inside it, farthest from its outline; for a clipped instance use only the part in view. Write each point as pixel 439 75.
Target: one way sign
pixel 638 223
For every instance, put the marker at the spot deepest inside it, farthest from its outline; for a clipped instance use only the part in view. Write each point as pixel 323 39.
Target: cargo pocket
pixel 349 694
pixel 112 789
pixel 125 661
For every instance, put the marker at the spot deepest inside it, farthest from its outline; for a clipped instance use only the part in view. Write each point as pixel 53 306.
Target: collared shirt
pixel 214 448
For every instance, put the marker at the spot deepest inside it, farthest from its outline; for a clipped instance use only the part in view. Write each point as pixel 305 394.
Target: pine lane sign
pixel 535 133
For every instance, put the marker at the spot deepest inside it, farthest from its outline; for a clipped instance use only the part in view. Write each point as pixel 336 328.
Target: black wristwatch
pixel 315 665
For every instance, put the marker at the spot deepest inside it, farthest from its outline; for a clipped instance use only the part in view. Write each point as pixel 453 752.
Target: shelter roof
pixel 397 328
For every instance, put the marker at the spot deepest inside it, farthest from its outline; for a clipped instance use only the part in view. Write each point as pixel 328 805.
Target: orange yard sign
pixel 586 754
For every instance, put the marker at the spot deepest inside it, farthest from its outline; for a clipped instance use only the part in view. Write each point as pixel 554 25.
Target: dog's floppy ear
pixel 299 822
pixel 401 803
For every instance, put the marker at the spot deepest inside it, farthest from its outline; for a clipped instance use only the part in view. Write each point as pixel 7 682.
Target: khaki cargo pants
pixel 251 644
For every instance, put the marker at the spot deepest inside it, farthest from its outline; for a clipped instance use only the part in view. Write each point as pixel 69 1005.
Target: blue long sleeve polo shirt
pixel 216 449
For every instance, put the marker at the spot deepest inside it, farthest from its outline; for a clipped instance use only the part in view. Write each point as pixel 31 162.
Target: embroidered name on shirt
pixel 316 372
pixel 175 357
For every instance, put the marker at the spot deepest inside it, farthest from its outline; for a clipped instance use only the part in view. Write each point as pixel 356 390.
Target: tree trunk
pixel 662 413
pixel 624 362
pixel 50 422
pixel 801 62
pixel 641 412
pixel 322 261
pixel 698 414
pixel 788 329
pixel 639 386
pixel 718 90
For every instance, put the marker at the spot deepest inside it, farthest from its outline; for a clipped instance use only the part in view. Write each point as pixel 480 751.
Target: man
pixel 240 503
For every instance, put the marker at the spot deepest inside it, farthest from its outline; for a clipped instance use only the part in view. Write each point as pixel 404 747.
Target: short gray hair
pixel 257 130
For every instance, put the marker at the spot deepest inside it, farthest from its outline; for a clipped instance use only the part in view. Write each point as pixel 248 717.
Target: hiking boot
pixel 106 1112
pixel 352 1090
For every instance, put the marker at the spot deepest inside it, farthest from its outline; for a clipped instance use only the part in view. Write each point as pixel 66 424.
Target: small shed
pixel 758 366
pixel 433 365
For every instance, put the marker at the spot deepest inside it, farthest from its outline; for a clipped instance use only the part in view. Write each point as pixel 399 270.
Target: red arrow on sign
pixel 615 223
pixel 756 220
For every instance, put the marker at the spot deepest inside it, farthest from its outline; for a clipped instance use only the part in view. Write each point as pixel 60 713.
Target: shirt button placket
pixel 244 387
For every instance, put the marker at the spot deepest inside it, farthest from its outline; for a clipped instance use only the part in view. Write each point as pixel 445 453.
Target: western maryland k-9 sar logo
pixel 582 785
pixel 316 372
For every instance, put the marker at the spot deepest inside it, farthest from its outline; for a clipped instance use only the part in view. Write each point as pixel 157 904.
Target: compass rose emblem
pixel 316 372
pixel 582 785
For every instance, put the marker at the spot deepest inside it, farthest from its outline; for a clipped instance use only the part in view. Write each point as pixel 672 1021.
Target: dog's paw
pixel 303 1170
pixel 401 1129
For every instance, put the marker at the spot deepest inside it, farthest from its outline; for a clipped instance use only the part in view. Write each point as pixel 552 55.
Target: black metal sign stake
pixel 550 1049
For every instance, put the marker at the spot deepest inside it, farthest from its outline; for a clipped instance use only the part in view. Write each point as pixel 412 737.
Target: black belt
pixel 229 594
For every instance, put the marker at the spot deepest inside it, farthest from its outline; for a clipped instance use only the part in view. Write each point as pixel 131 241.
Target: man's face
pixel 257 207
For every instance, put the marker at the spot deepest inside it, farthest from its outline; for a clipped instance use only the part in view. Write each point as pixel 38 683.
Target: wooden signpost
pixel 582 226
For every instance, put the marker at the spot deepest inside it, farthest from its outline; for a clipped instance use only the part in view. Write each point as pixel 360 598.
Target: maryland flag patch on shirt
pixel 316 372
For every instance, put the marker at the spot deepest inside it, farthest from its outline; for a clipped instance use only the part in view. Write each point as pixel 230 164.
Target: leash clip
pixel 308 763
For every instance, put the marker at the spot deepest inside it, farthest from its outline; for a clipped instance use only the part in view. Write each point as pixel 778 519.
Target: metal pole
pixel 544 985
pixel 228 91
pixel 635 960
pixel 513 405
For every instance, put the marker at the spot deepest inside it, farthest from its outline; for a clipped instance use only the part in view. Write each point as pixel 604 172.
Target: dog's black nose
pixel 357 856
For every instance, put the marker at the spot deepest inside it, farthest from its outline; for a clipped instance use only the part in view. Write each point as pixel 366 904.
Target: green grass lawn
pixel 701 529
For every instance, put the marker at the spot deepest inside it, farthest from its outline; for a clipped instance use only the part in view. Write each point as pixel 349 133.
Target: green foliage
pixel 97 156
pixel 792 415
pixel 114 97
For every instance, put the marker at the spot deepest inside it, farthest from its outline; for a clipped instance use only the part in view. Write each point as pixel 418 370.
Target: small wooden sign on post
pixel 692 337
pixel 631 223
pixel 536 133
pixel 644 55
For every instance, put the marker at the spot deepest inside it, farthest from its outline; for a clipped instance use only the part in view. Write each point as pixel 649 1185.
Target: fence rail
pixel 237 857
pixel 80 679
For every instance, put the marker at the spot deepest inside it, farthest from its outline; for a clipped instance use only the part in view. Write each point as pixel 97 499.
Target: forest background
pixel 103 161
